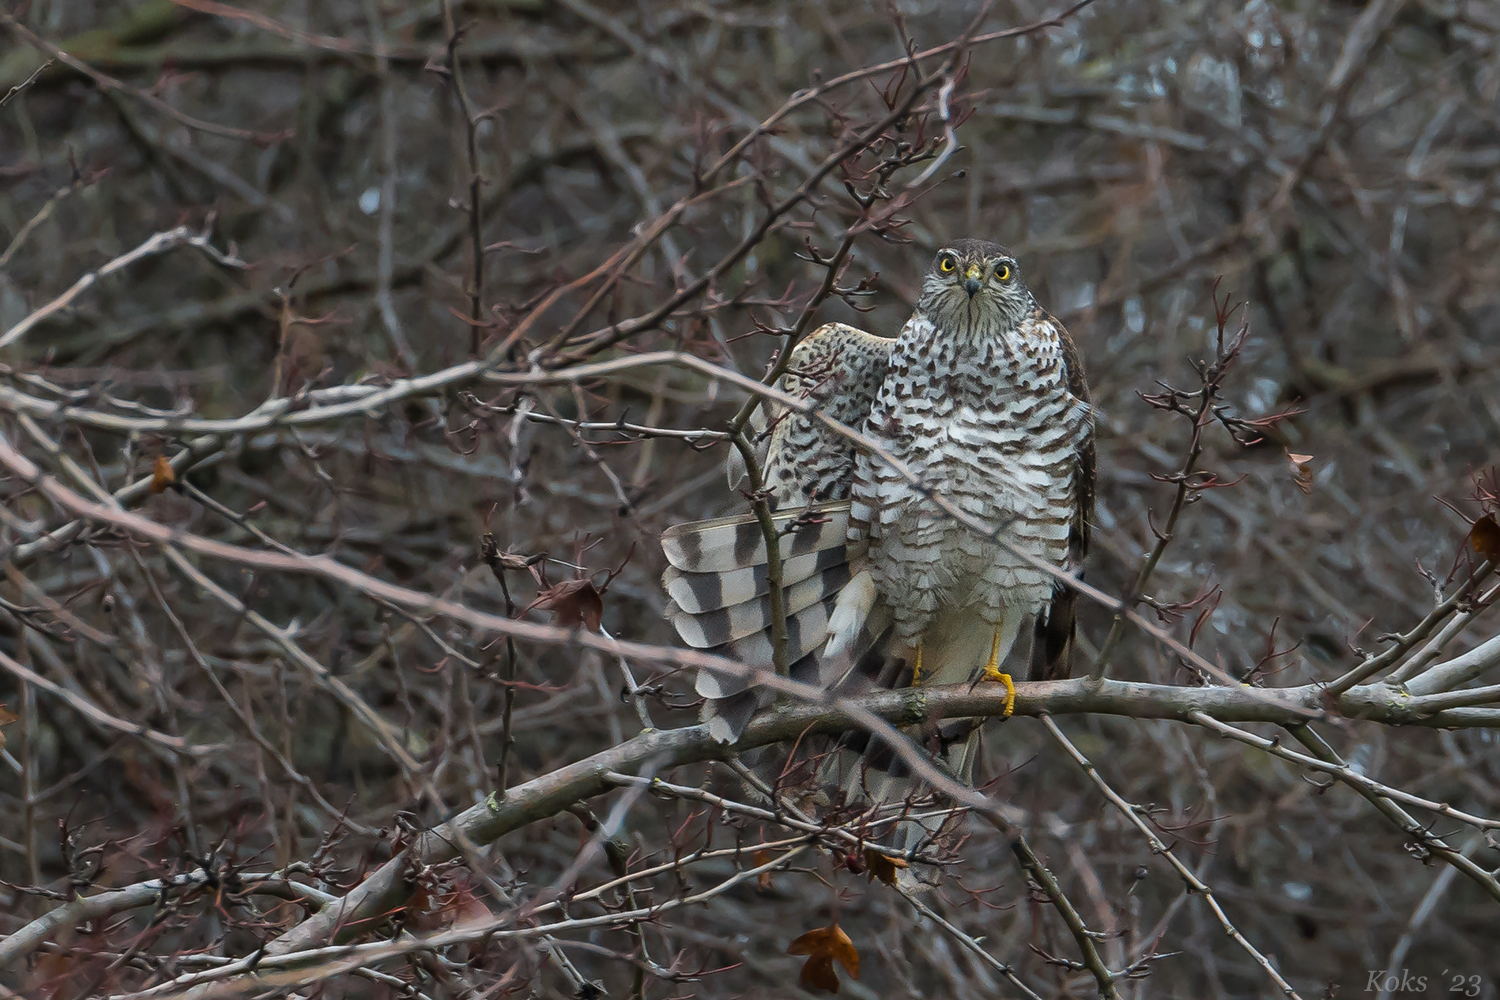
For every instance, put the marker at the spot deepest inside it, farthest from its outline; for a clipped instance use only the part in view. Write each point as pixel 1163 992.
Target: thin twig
pixel 1082 936
pixel 105 82
pixel 1207 400
pixel 1193 883
pixel 25 84
pixel 385 265
pixel 1382 797
pixel 182 235
pixel 476 181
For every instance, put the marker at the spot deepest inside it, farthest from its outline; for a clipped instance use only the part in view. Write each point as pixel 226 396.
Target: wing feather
pixel 839 369
pixel 1052 643
pixel 726 544
pixel 717 578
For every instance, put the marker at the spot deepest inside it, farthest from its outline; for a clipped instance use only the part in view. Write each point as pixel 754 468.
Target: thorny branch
pixel 188 568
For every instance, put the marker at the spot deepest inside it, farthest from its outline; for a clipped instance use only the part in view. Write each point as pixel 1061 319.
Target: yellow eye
pixel 947 264
pixel 1003 272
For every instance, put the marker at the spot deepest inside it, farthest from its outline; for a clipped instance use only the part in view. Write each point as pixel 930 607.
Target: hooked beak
pixel 971 280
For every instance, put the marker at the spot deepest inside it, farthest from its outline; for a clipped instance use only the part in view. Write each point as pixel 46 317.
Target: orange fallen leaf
pixel 763 857
pixel 1301 470
pixel 823 947
pixel 1485 537
pixel 163 476
pixel 418 903
pixel 882 866
pixel 452 910
pixel 818 973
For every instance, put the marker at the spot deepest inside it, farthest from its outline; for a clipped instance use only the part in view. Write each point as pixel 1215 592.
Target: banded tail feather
pixel 696 593
pixel 868 769
pixel 730 543
pixel 733 700
pixel 704 623
pixel 719 586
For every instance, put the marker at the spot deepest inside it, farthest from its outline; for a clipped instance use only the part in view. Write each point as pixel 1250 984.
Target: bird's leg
pixel 916 671
pixel 992 672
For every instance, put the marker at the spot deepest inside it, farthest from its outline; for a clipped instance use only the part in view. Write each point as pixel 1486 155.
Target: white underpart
pixel 957 644
pixel 984 419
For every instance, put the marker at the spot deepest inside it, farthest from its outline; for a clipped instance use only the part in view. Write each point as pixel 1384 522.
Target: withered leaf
pixel 418 902
pixel 489 551
pixel 1485 537
pixel 1301 470
pixel 823 947
pixel 163 476
pixel 818 973
pixel 881 866
pixel 763 857
pixel 572 603
pixel 6 718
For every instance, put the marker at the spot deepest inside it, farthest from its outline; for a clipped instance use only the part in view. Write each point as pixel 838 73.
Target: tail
pixel 719 583
pixel 719 586
pixel 869 769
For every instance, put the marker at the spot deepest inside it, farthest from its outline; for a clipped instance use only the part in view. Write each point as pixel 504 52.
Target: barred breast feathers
pixel 965 408
pixel 985 414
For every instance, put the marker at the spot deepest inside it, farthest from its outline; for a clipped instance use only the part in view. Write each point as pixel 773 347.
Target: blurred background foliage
pixel 1335 164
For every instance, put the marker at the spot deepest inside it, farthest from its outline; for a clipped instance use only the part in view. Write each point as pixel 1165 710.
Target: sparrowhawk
pixel 982 396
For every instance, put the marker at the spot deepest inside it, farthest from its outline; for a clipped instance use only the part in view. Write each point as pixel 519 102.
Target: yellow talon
pixel 992 672
pixel 916 671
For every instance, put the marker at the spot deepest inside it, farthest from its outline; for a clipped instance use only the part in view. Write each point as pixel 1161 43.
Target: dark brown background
pixel 1130 156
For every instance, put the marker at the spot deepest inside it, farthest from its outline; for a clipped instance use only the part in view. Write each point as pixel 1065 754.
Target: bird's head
pixel 976 285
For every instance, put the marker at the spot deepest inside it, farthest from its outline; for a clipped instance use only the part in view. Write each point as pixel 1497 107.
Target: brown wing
pixel 1052 644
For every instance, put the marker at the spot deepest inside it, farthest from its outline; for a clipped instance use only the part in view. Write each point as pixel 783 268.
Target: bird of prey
pixel 983 397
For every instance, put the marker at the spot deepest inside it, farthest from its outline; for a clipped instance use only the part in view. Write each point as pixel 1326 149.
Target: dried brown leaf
pixel 818 973
pixel 460 909
pixel 1485 537
pixel 163 476
pixel 882 866
pixel 1301 470
pixel 823 947
pixel 6 718
pixel 572 603
pixel 763 857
